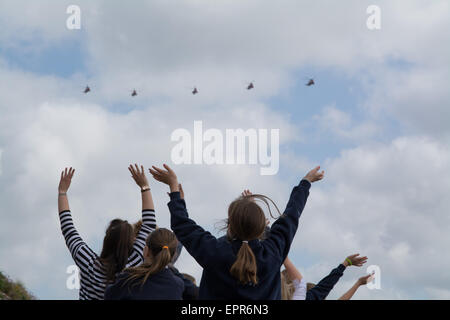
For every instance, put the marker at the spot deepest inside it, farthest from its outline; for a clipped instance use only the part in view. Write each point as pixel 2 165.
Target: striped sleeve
pixel 79 250
pixel 148 226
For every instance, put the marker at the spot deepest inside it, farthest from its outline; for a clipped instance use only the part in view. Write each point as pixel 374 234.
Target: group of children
pixel 137 261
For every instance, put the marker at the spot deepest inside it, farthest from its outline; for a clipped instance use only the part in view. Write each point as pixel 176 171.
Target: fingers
pixel 67 173
pixel 160 171
pixel 168 169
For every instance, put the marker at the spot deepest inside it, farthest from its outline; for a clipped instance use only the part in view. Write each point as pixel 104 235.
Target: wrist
pixel 145 188
pixel 62 193
pixel 347 262
pixel 174 187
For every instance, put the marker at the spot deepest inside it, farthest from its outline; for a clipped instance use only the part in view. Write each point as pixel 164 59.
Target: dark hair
pixel 117 246
pixel 162 244
pixel 246 221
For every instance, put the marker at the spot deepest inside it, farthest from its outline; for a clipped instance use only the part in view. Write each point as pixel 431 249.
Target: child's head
pixel 160 246
pixel 246 222
pixel 117 246
pixel 137 227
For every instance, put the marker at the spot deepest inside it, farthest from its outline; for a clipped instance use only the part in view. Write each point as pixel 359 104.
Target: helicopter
pixel 310 82
pixel 134 93
pixel 195 91
pixel 87 89
pixel 250 86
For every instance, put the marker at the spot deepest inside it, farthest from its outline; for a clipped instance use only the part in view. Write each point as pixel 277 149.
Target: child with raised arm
pixel 294 286
pixel 121 247
pixel 241 266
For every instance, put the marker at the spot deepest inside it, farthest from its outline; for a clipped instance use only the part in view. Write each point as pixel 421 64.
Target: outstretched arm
pixel 323 288
pixel 141 180
pixel 198 242
pixel 292 271
pixel 148 215
pixel 64 184
pixel 77 247
pixel 360 282
pixel 284 228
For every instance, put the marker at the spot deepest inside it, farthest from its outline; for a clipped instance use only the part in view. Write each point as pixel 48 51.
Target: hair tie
pixel 165 247
pixel 245 241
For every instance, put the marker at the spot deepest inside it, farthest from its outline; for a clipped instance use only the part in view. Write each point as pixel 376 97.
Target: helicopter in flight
pixel 195 91
pixel 250 86
pixel 87 89
pixel 310 82
pixel 134 93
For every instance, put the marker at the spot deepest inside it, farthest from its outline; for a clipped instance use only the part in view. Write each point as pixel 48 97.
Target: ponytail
pixel 244 268
pixel 144 271
pixel 162 244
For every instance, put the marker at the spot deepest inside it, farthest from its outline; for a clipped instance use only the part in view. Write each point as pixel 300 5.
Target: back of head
pixel 137 227
pixel 117 246
pixel 162 245
pixel 246 221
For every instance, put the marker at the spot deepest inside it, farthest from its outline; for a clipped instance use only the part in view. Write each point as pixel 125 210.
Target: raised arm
pixel 77 247
pixel 64 184
pixel 292 271
pixel 284 228
pixel 148 215
pixel 360 282
pixel 198 242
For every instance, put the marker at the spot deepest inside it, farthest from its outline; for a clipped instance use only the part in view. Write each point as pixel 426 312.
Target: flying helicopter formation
pixel 250 86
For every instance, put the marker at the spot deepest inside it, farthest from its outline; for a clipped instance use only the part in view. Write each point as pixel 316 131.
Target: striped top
pixel 92 272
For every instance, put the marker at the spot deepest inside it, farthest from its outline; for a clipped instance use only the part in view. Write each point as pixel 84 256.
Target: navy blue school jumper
pixel 216 256
pixel 321 290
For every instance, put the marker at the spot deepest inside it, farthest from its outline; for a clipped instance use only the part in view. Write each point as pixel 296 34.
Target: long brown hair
pixel 246 221
pixel 117 246
pixel 162 245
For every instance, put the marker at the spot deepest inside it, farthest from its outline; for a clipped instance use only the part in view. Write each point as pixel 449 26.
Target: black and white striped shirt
pixel 92 272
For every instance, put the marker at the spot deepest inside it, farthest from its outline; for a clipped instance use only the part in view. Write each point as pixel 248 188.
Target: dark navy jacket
pixel 321 290
pixel 164 285
pixel 216 256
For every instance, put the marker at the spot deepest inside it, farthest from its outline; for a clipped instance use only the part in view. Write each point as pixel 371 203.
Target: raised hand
pixel 138 176
pixel 167 176
pixel 314 175
pixel 66 179
pixel 354 260
pixel 246 193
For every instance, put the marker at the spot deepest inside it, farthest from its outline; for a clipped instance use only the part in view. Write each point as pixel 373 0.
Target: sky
pixel 377 121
